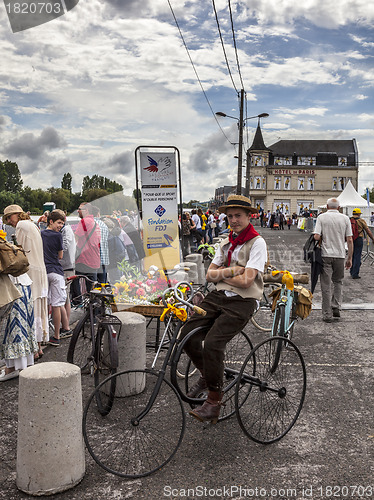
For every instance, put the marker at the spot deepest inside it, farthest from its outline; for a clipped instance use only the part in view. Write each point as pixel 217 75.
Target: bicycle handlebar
pixel 178 295
pixel 76 276
pixel 199 310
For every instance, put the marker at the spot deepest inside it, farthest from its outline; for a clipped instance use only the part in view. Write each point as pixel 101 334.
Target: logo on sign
pixel 160 169
pixel 169 240
pixel 160 210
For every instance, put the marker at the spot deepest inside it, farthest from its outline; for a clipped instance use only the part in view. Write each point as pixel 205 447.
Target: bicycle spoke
pixel 135 449
pixel 272 407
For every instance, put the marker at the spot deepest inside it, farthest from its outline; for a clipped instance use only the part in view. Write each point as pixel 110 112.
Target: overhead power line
pixel 223 47
pixel 197 76
pixel 234 40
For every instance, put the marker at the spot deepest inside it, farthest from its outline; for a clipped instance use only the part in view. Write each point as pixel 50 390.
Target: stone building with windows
pixel 297 175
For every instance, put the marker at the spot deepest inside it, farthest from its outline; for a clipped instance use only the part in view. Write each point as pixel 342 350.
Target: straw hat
pixel 10 210
pixel 238 201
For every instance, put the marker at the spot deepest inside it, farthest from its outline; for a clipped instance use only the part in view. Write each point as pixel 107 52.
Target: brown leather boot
pixel 197 388
pixel 209 411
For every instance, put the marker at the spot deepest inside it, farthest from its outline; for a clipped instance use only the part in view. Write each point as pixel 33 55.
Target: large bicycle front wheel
pixel 235 353
pixel 105 364
pixel 270 409
pixel 80 346
pixel 139 435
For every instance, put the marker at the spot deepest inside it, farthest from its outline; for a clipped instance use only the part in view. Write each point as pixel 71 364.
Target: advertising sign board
pixel 159 188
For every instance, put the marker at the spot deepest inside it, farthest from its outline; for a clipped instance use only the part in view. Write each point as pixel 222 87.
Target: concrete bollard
pixel 50 449
pixel 192 273
pixel 198 260
pixel 179 276
pixel 131 350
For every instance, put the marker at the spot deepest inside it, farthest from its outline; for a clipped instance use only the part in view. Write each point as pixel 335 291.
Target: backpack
pixel 13 259
pixel 354 226
pixel 117 251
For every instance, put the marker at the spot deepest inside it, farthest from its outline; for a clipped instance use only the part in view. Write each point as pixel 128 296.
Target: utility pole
pixel 248 173
pixel 240 153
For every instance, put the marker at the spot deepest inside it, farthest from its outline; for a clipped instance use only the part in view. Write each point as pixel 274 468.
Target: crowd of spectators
pixel 56 250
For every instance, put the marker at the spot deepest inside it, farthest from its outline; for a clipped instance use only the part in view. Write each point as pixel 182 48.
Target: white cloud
pixel 291 113
pixel 111 75
pixel 325 13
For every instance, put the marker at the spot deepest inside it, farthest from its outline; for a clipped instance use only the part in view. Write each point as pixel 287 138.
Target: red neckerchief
pixel 247 234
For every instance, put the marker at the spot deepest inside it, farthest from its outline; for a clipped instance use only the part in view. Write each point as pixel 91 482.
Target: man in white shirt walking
pixel 334 229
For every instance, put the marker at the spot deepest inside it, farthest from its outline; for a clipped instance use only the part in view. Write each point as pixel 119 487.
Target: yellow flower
pixel 2 234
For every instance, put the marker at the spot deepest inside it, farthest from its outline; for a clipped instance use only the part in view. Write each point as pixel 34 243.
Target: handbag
pixel 213 225
pixel 13 259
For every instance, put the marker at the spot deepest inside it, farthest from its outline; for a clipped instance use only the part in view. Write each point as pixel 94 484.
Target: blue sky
pixel 80 93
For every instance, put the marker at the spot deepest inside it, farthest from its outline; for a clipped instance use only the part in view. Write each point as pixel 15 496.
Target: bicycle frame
pixel 97 310
pixel 285 300
pixel 161 373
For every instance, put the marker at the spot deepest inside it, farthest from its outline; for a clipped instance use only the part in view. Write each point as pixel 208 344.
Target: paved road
pixel 330 448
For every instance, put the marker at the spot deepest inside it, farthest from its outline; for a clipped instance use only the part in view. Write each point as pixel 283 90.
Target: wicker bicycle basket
pixel 145 310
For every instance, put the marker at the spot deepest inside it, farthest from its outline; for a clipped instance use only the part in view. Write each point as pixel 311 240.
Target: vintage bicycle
pixel 146 424
pixel 93 345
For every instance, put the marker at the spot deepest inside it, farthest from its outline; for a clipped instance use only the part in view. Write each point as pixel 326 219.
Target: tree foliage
pixel 371 195
pixel 10 177
pixel 100 182
pixel 93 188
pixel 66 181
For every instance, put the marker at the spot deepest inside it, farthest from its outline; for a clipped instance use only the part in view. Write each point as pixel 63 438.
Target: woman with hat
pixel 18 343
pixel 237 271
pixel 28 235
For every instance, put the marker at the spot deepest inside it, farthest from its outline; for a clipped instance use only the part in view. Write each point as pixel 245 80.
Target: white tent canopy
pixel 350 199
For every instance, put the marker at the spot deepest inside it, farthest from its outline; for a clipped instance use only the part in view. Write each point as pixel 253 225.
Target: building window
pixel 304 205
pixel 341 183
pixel 264 182
pixel 301 183
pixel 311 183
pixel 257 161
pixel 306 160
pixel 282 206
pixel 287 183
pixel 257 184
pixel 283 160
pixel 334 183
pixel 342 161
pixel 277 183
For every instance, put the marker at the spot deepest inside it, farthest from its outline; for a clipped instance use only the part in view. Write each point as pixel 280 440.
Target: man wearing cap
pixel 334 229
pixel 237 270
pixel 358 243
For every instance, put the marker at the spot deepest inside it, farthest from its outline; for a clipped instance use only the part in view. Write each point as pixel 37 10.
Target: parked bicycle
pixel 93 345
pixel 146 424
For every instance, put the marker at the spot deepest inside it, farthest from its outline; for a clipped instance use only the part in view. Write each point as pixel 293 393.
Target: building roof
pixel 258 141
pixel 312 147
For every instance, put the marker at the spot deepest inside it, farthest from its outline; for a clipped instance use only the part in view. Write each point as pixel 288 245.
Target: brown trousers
pixel 225 318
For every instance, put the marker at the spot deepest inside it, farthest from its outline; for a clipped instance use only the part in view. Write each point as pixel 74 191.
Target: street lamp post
pixel 241 125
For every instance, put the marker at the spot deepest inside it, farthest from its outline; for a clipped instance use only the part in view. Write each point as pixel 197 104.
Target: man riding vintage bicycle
pixel 237 270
